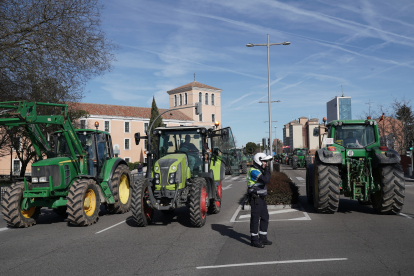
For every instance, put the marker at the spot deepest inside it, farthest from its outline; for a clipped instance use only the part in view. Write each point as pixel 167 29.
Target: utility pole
pixel 369 109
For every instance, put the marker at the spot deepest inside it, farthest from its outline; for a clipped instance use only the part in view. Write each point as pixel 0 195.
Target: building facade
pixel 301 133
pixel 339 108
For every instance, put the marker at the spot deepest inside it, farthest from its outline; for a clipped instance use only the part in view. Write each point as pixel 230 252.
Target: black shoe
pixel 263 239
pixel 266 242
pixel 257 244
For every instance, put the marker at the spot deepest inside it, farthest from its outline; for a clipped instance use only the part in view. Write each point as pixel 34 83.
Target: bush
pixel 281 190
pixel 132 166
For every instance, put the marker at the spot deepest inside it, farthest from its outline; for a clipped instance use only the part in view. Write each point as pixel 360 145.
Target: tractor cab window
pixel 354 136
pixel 301 152
pixel 188 141
pixel 103 152
pixel 225 148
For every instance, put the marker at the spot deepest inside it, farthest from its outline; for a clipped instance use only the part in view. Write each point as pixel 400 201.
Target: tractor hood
pixel 172 167
pixel 53 161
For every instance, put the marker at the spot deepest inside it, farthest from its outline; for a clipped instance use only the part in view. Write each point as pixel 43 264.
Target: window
pixel 145 127
pixel 206 101
pixel 185 99
pixel 165 125
pixel 82 124
pixel 181 99
pixel 16 166
pixel 127 159
pixel 175 100
pixel 145 160
pixel 212 99
pixel 213 118
pixel 200 117
pixel 126 144
pixel 200 97
pixel 107 126
pixel 127 127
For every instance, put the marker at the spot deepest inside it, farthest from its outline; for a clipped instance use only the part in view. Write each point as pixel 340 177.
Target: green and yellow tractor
pixel 300 158
pixel 355 165
pixel 186 168
pixel 73 177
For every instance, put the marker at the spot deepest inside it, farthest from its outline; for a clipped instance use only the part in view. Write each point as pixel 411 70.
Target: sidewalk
pixel 408 178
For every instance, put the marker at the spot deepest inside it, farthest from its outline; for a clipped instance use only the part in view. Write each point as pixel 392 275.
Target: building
pixel 122 122
pixel 301 133
pixel 339 108
pixel 189 94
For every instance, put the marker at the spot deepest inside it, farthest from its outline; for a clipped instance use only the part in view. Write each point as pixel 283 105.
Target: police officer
pixel 257 178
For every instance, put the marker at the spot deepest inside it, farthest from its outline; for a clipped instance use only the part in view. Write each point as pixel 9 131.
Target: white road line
pixel 233 219
pixel 272 213
pixel 300 178
pixel 404 215
pixel 2 229
pixel 234 178
pixel 227 187
pixel 275 262
pixel 113 225
pixel 305 213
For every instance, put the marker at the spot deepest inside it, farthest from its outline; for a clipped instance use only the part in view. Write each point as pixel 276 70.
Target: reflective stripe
pixel 252 175
pixel 262 233
pixel 253 234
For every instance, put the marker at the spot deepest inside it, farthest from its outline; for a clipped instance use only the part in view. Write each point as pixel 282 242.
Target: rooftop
pixel 190 86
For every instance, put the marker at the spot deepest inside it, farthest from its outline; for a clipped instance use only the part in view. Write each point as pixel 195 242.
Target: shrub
pixel 132 166
pixel 281 190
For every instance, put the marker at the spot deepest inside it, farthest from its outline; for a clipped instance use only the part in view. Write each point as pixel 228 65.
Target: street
pixel 353 241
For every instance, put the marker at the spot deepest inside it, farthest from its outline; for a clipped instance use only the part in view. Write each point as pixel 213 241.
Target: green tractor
pixel 242 160
pixel 233 162
pixel 186 168
pixel 356 166
pixel 300 158
pixel 74 180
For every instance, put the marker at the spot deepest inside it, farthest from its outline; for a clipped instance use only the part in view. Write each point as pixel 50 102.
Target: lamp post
pixel 276 140
pixel 268 85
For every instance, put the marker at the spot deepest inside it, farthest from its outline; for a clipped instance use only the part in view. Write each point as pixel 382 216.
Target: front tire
pixel 198 202
pixel 142 213
pixel 11 203
pixel 83 202
pixel 390 199
pixel 309 183
pixel 121 190
pixel 326 187
pixel 215 203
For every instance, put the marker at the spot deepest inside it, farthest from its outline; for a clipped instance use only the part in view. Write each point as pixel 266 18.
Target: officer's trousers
pixel 259 214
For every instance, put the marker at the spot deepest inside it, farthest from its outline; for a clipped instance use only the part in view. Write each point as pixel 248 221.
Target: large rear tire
pixel 198 202
pixel 390 199
pixel 13 215
pixel 309 183
pixel 294 165
pixel 121 190
pixel 215 203
pixel 141 212
pixel 326 187
pixel 83 204
pixel 244 167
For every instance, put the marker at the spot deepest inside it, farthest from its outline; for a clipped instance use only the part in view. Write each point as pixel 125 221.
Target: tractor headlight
pixel 43 179
pixel 156 168
pixel 157 176
pixel 171 181
pixel 174 168
pixel 171 178
pixel 157 181
pixel 35 180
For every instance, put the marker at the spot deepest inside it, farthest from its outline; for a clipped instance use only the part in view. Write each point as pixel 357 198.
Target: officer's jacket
pixel 257 180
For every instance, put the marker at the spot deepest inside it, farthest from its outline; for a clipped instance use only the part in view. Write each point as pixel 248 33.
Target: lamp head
pixel 286 43
pixel 250 45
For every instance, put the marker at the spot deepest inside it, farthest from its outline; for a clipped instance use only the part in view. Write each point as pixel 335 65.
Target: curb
pixel 276 207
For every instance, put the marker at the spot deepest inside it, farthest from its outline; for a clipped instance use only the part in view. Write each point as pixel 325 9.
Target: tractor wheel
pixel 11 203
pixel 390 199
pixel 309 183
pixel 244 167
pixel 215 204
pixel 326 187
pixel 121 190
pixel 227 171
pixel 198 202
pixel 83 204
pixel 141 212
pixel 61 211
pixel 294 165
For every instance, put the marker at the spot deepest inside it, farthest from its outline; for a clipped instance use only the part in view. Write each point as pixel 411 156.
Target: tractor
pixel 300 158
pixel 354 164
pixel 186 168
pixel 73 177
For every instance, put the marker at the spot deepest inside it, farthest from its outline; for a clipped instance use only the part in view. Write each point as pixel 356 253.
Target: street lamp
pixel 276 140
pixel 268 85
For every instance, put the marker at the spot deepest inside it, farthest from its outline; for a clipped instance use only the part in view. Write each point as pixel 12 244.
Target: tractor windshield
pixel 188 141
pixel 301 152
pixel 354 136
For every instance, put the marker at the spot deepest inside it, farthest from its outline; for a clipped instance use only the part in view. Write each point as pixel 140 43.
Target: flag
pixel 382 117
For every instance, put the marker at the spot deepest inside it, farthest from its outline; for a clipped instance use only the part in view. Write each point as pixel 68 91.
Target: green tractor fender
pixel 106 184
pixel 209 176
pixel 329 157
pixel 384 157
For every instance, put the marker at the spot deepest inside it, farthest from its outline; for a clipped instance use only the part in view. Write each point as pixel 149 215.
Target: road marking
pixel 2 229
pixel 113 225
pixel 275 262
pixel 227 187
pixel 300 178
pixel 272 212
pixel 233 219
pixel 404 215
pixel 306 216
pixel 234 178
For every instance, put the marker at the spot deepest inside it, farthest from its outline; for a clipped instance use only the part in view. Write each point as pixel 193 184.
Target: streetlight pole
pixel 276 140
pixel 268 86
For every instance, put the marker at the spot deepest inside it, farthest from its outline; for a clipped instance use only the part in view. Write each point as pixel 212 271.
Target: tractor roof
pixel 86 130
pixel 183 127
pixel 350 122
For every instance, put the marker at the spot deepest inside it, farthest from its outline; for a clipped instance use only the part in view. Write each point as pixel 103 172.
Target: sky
pixel 363 49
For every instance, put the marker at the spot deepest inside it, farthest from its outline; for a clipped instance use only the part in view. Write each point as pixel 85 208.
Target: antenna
pixel 194 77
pixel 342 91
pixel 369 103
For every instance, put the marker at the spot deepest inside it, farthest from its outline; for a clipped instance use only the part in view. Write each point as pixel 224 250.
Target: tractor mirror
pixel 225 135
pixel 137 138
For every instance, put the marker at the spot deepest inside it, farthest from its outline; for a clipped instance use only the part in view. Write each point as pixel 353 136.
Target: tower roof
pixel 190 86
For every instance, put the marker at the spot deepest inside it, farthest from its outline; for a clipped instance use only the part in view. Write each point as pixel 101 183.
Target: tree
pixel 157 123
pixel 250 148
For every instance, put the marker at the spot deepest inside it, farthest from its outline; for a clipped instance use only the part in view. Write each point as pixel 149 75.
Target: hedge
pixel 281 190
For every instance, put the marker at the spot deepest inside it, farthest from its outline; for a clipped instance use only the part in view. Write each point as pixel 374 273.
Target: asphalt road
pixel 353 241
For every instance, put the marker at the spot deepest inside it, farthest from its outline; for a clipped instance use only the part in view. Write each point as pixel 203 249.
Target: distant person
pixel 351 140
pixel 191 149
pixel 139 169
